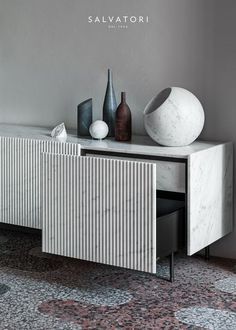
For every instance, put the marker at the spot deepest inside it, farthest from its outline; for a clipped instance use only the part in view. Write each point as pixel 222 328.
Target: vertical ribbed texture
pixel 20 178
pixel 100 210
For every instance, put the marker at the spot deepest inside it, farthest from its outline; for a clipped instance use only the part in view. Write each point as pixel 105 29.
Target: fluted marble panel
pixel 100 210
pixel 210 196
pixel 170 175
pixel 20 178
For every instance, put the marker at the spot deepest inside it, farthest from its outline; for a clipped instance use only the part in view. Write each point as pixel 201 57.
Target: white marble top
pixel 141 145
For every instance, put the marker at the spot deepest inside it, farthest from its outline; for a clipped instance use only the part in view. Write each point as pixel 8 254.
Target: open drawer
pixel 170 226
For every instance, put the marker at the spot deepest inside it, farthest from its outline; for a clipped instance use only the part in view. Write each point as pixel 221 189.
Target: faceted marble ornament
pixel 174 117
pixel 98 129
pixel 59 132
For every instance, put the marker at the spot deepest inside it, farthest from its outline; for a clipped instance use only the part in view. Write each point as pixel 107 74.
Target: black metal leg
pixel 171 267
pixel 207 252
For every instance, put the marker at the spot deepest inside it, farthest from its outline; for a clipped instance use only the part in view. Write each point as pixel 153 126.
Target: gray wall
pixel 51 59
pixel 220 86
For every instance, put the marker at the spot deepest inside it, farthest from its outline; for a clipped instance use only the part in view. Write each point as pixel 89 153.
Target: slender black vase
pixel 84 117
pixel 110 105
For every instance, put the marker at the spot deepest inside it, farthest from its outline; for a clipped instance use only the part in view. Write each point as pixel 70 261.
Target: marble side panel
pixel 100 210
pixel 210 196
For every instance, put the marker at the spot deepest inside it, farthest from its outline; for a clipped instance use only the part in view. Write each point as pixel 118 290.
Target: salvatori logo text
pixel 118 21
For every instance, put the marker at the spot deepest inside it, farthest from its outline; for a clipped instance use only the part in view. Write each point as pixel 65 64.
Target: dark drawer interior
pixel 166 206
pixel 170 226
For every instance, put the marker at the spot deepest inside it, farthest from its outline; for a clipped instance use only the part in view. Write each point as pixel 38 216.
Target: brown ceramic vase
pixel 123 131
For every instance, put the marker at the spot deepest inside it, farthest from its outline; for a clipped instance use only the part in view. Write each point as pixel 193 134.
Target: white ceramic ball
pixel 174 117
pixel 98 129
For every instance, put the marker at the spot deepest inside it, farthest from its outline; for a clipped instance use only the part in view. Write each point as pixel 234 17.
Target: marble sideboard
pixel 96 200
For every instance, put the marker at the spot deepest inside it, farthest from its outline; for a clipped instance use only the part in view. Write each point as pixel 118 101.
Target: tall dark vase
pixel 84 117
pixel 123 124
pixel 110 105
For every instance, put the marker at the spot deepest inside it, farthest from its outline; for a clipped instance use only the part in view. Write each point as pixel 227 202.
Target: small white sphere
pixel 98 129
pixel 174 117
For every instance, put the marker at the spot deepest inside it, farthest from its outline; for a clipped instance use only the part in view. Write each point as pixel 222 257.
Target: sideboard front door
pixel 20 172
pixel 100 210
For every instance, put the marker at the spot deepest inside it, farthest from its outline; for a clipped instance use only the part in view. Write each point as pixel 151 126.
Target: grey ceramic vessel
pixel 84 117
pixel 110 105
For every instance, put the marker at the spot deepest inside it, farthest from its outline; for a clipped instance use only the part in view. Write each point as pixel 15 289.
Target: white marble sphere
pixel 174 117
pixel 98 129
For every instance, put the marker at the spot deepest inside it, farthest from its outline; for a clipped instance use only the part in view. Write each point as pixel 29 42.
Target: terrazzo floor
pixel 44 292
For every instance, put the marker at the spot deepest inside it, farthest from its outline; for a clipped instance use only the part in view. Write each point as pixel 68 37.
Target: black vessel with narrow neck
pixel 110 105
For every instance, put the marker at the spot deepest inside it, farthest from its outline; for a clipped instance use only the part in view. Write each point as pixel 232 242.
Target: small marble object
pixel 59 132
pixel 174 117
pixel 98 129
